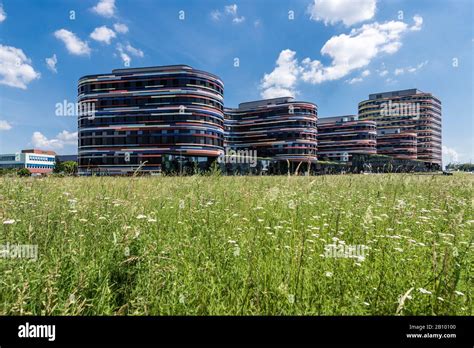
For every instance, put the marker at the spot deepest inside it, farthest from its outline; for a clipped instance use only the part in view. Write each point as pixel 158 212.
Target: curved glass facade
pixel 280 129
pixel 402 145
pixel 410 111
pixel 341 137
pixel 145 117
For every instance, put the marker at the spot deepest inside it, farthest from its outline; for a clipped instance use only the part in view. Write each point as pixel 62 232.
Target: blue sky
pixel 333 53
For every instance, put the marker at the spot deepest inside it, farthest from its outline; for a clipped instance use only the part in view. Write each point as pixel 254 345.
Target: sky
pixel 330 52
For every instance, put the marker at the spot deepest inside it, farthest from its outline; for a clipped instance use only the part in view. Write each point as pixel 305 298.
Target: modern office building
pixel 410 111
pixel 397 144
pixel 169 117
pixel 147 118
pixel 279 129
pixel 35 160
pixel 340 137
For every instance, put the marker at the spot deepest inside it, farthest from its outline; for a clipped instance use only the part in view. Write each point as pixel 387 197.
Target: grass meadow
pixel 217 245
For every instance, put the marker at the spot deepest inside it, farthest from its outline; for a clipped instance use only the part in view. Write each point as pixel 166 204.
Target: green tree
pixel 70 167
pixel 67 167
pixel 23 172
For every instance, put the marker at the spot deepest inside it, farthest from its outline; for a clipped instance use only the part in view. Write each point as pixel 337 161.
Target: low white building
pixel 36 161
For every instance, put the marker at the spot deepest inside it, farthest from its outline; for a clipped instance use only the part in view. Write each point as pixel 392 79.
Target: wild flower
pixel 424 291
pixel 459 293
pixel 328 274
pixel 9 222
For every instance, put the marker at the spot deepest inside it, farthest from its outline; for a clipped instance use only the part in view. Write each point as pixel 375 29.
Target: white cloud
pixel 4 125
pixel 229 10
pixel 134 51
pixel 360 78
pixel 355 50
pixel 238 19
pixel 121 28
pixel 73 44
pixel 348 52
pixel 105 8
pixel 450 155
pixel 126 51
pixel 67 138
pixel 410 69
pixel 418 23
pixel 51 63
pixel 15 68
pixel 125 57
pixel 383 73
pixel 347 11
pixel 62 139
pixel 399 71
pixel 355 80
pixel 103 34
pixel 281 82
pixel 3 14
pixel 216 15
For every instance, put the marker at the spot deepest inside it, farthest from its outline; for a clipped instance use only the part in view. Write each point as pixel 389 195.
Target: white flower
pixel 291 298
pixel 236 251
pixel 459 293
pixel 140 217
pixel 424 291
pixel 9 222
pixel 328 274
pixel 151 220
